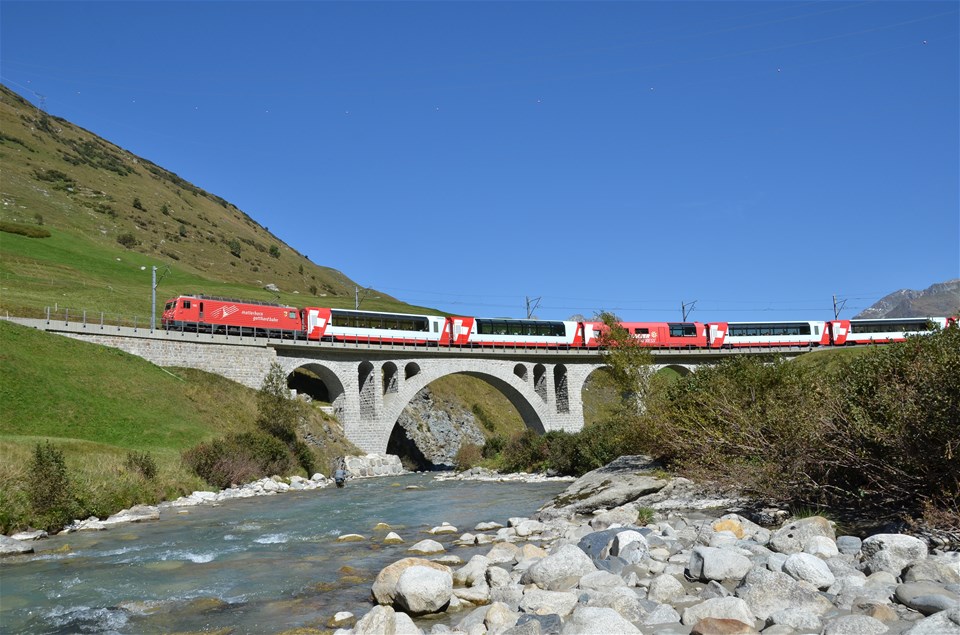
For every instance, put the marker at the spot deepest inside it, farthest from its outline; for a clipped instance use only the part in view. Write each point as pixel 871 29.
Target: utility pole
pixel 153 294
pixel 836 310
pixel 536 305
pixel 357 298
pixel 683 308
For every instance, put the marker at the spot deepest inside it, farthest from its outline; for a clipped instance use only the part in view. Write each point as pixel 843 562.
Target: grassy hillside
pixel 109 213
pixel 98 404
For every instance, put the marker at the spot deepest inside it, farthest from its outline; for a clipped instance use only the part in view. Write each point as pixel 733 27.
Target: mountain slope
pixel 110 212
pixel 940 299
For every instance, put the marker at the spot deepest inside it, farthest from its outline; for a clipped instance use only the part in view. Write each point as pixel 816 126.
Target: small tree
pixel 274 251
pixel 128 240
pixel 49 489
pixel 630 363
pixel 234 246
pixel 277 413
pixel 137 204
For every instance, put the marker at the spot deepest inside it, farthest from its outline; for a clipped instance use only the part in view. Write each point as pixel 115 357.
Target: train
pixel 209 314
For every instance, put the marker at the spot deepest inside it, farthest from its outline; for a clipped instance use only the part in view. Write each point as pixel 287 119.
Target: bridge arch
pixel 320 382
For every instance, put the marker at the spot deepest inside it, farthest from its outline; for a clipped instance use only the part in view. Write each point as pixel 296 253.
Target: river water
pixel 258 565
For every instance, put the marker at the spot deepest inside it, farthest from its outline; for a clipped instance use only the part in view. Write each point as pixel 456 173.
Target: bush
pixel 23 230
pixel 234 246
pixel 128 240
pixel 467 456
pixel 49 489
pixel 141 463
pixel 277 413
pixel 494 446
pixel 274 251
pixel 239 458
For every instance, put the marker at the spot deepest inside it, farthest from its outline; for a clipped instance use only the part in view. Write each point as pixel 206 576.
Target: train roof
pixel 200 296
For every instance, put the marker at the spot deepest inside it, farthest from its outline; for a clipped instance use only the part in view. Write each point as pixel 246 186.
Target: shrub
pixel 23 230
pixel 467 456
pixel 49 489
pixel 142 463
pixel 128 240
pixel 277 413
pixel 305 457
pixel 137 204
pixel 234 246
pixel 494 446
pixel 239 458
pixel 484 418
pixel 274 251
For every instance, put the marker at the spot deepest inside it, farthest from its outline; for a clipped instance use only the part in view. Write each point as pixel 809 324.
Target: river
pixel 258 565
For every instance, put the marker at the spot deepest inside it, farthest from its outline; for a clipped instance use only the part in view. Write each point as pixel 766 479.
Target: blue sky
pixel 755 157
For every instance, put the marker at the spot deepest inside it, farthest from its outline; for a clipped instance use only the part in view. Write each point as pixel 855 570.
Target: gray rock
pixel 767 592
pixel 474 571
pixel 497 577
pixel 942 623
pixel 600 580
pixel 11 547
pixel 849 545
pixel 793 536
pixel 854 625
pixel 665 589
pixel 136 514
pixel 931 570
pixel 559 570
pixel 662 614
pixel 385 586
pixel 421 590
pixel 926 597
pixel 427 547
pixel 714 590
pixel 383 619
pixel 590 620
pixel 712 563
pixel 621 599
pixel 540 602
pixel 797 619
pixel 821 546
pixel 892 552
pixel 729 608
pixel 810 568
pixel 511 595
pixel 546 624
pixel 622 481
pixel 39 534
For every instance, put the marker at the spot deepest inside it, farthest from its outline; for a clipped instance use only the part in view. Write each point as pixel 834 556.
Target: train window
pixel 816 330
pixel 168 306
pixel 643 331
pixel 768 330
pixel 292 315
pixel 683 330
pixel 186 304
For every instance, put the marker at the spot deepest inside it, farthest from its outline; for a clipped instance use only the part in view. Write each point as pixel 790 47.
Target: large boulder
pixel 9 546
pixel 810 568
pixel 383 620
pixel 560 570
pixel 385 586
pixel 792 537
pixel 617 483
pixel 713 563
pixel 590 620
pixel 421 590
pixel 892 552
pixel 729 608
pixel 767 592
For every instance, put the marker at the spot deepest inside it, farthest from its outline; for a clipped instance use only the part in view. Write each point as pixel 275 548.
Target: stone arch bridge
pixel 369 385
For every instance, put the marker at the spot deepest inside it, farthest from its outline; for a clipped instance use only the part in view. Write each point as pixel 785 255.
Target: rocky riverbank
pixel 626 550
pixel 368 466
